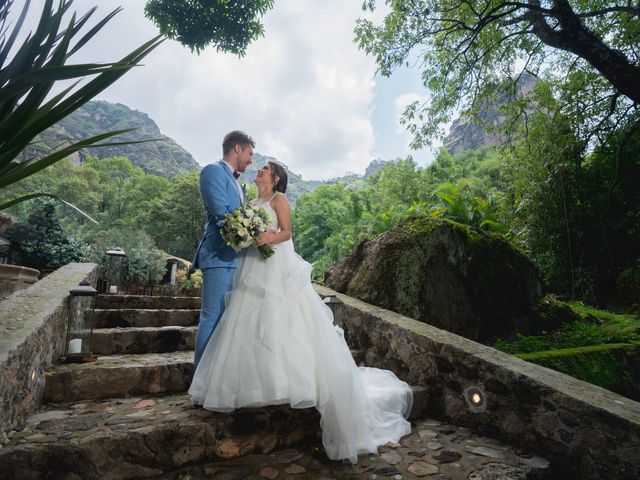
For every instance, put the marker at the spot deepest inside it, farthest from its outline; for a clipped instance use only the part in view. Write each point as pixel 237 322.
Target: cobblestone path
pixel 433 451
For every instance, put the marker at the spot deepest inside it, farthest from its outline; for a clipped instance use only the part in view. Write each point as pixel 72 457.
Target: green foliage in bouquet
pixel 243 226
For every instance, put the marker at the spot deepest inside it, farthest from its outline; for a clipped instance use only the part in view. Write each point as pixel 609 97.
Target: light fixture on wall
pixel 82 302
pixel 476 398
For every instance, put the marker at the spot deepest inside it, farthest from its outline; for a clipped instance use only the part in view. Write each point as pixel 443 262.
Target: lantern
pixel 80 323
pixel 115 261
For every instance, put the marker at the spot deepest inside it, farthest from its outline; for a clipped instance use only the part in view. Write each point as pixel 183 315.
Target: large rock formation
pixel 445 274
pixel 470 132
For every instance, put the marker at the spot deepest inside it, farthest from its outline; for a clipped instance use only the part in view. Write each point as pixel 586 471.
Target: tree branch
pixel 574 37
pixel 634 11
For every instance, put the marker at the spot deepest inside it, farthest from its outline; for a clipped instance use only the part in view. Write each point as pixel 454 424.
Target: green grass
pixel 613 366
pixel 599 347
pixel 594 327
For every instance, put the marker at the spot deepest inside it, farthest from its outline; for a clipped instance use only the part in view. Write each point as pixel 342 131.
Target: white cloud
pixel 304 91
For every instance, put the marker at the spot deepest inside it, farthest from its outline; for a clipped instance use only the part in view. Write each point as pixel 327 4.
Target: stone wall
pixel 15 277
pixel 586 431
pixel 32 336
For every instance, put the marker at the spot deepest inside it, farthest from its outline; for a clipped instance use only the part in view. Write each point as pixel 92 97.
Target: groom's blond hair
pixel 236 137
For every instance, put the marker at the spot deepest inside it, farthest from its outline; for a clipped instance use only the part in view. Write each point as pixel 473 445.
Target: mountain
pixel 297 186
pixel 469 133
pixel 163 157
pixel 374 166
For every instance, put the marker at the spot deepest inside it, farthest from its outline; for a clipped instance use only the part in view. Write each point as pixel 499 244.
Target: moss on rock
pixel 446 274
pixel 552 313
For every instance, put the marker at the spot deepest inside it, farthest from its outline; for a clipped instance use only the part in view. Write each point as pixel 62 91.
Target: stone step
pixel 119 376
pixel 108 341
pixel 130 317
pixel 145 437
pixel 165 437
pixel 147 302
pixel 115 376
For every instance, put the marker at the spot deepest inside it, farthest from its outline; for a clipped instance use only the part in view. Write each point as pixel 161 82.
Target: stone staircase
pixel 127 415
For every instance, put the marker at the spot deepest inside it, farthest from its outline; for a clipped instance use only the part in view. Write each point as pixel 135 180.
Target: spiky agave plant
pixel 28 73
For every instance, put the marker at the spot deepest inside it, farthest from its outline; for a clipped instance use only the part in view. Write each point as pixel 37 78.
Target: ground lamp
pixel 115 260
pixel 476 398
pixel 80 323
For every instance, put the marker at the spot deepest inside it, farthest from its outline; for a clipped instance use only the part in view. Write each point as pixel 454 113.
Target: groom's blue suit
pixel 220 194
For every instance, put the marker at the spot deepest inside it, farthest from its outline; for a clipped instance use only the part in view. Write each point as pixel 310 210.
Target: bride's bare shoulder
pixel 280 198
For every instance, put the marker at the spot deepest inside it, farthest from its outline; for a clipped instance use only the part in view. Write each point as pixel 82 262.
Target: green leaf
pixel 28 78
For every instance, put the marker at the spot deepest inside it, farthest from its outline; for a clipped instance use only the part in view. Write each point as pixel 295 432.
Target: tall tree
pixel 471 49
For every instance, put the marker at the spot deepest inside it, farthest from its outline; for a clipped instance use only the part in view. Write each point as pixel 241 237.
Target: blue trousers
pixel 215 283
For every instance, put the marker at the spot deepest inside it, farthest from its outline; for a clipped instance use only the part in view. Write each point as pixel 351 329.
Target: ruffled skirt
pixel 276 344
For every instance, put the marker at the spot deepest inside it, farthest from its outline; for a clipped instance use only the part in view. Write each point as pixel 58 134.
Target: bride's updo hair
pixel 278 170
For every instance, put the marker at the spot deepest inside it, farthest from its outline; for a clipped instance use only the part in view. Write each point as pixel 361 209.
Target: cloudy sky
pixel 305 92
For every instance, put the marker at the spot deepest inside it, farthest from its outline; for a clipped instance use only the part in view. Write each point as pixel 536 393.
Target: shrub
pixel 41 242
pixel 144 264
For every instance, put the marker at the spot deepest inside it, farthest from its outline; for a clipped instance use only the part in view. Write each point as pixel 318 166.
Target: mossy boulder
pixel 446 274
pixel 553 313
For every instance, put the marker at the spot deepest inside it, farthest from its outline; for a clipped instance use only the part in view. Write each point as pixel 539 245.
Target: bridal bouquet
pixel 241 228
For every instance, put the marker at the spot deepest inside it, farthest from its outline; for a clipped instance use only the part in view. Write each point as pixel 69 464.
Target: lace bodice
pixel 266 204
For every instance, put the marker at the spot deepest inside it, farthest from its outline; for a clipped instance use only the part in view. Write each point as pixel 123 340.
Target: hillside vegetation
pixel 162 157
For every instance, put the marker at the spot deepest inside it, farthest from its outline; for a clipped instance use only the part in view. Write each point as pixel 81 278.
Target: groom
pixel 221 193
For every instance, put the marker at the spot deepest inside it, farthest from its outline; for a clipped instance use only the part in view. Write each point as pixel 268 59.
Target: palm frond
pixel 31 196
pixel 27 79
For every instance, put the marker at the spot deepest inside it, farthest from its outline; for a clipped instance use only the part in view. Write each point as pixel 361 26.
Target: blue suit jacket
pixel 219 195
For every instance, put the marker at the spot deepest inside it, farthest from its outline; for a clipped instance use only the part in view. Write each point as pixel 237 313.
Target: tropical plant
pixel 28 101
pixel 459 202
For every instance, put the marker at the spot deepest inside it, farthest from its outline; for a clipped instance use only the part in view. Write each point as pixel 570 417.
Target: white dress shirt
pixel 237 184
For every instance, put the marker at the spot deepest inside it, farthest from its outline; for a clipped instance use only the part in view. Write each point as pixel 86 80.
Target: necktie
pixel 236 174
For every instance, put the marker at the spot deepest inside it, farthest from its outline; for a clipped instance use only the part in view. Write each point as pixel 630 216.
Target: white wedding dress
pixel 276 344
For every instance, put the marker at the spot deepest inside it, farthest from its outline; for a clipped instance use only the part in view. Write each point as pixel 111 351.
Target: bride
pixel 276 344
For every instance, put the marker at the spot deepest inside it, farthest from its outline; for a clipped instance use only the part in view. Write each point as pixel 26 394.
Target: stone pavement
pixel 127 416
pixel 433 450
